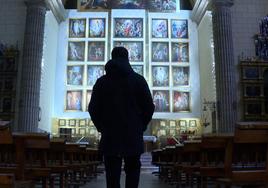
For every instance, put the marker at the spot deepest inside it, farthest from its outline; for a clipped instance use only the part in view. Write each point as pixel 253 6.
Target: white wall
pixel 206 59
pixel 246 15
pixel 47 90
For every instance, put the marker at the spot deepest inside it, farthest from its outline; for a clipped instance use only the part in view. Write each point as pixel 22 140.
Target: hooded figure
pixel 121 107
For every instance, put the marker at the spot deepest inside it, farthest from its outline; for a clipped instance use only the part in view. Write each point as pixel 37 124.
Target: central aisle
pixel 147 180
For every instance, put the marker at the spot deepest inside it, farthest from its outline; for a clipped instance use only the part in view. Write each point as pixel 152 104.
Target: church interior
pixel 206 65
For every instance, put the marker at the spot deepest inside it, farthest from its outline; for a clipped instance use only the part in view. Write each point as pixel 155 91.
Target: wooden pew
pixel 213 149
pixel 56 161
pixel 247 157
pixel 31 157
pixel 191 160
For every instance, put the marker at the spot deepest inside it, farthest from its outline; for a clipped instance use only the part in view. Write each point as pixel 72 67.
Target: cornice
pixel 57 9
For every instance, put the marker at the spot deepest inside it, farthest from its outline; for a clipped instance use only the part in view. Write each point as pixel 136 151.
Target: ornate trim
pixel 57 9
pixel 199 10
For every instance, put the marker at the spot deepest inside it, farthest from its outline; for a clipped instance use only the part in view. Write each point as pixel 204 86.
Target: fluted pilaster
pixel 224 65
pixel 31 68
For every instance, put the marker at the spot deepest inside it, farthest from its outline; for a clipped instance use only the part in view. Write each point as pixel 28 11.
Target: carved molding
pixel 199 10
pixel 222 3
pixel 57 9
pixel 201 6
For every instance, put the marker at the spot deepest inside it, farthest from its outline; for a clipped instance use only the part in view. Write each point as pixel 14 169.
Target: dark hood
pixel 118 67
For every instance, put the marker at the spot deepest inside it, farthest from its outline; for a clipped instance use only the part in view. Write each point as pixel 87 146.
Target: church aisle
pixel 147 180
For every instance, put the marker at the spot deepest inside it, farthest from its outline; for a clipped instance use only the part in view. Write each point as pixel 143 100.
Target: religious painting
pixel 128 4
pixel 182 123
pixel 128 27
pixel 179 29
pixel 161 100
pixel 7 105
pixel 75 75
pixel 251 72
pixel 159 28
pixel 96 51
pixel 9 64
pixel 88 97
pixel 160 76
pixel 96 28
pixel 72 122
pixel 180 52
pixel 160 52
pixel 74 100
pixel 61 122
pixel 181 101
pixel 162 5
pixel 192 123
pixel 135 49
pixel 90 5
pixel 8 84
pixel 76 51
pixel 82 131
pixel 93 73
pixel 253 90
pixel 180 76
pixel 138 69
pixel 82 122
pixel 77 28
pixel 172 124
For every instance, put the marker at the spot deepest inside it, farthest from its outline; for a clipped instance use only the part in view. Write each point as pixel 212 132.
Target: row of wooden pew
pixel 35 159
pixel 239 159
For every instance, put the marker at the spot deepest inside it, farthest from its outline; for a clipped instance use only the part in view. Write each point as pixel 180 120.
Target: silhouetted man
pixel 121 107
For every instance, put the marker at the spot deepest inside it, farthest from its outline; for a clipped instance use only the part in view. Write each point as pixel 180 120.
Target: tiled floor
pixel 147 180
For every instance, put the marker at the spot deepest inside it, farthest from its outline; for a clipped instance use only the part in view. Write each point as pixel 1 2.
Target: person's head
pixel 119 52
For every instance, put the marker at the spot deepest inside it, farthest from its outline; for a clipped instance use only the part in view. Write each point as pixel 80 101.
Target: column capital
pixel 222 3
pixel 36 3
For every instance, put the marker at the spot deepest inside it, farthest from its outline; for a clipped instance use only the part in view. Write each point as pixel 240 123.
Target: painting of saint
pixel 93 73
pixel 160 52
pixel 159 28
pixel 181 101
pixel 160 75
pixel 135 49
pixel 97 28
pixel 161 100
pixel 128 27
pixel 128 4
pixel 74 100
pixel 84 5
pixel 138 69
pixel 180 76
pixel 162 5
pixel 75 75
pixel 180 52
pixel 76 51
pixel 77 28
pixel 179 29
pixel 96 51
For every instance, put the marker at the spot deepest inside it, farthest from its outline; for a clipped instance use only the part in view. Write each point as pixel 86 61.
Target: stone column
pixel 224 65
pixel 31 66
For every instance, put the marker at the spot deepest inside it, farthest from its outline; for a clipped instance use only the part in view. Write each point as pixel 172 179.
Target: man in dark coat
pixel 121 107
